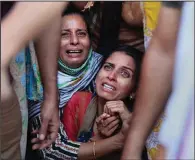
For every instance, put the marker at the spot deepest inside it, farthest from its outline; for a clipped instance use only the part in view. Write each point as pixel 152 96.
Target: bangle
pixel 94 150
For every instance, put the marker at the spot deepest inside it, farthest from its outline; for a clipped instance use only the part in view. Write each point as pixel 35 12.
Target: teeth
pixel 74 51
pixel 108 87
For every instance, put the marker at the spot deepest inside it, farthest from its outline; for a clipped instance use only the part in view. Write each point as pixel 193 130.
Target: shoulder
pixel 173 4
pixel 96 55
pixel 81 95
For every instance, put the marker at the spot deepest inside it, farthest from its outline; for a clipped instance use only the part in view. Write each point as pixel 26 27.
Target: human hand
pixel 49 125
pixel 113 107
pixel 106 124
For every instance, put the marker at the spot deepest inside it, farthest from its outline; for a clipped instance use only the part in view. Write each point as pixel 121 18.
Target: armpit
pixel 173 4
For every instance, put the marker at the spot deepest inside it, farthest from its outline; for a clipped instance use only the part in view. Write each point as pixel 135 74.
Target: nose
pixel 74 39
pixel 112 76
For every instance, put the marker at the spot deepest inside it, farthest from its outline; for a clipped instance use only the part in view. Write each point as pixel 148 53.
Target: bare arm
pixel 156 82
pixel 25 22
pixel 102 147
pixel 47 48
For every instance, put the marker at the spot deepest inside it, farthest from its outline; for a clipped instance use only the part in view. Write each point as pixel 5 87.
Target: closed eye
pixel 65 34
pixel 81 33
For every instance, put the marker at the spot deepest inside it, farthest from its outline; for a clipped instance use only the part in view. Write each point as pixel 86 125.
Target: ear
pixel 132 95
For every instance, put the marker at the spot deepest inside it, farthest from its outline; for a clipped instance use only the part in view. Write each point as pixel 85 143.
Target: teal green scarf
pixel 73 71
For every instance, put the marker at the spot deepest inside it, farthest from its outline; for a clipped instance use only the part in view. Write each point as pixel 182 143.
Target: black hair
pixel 136 55
pixel 70 10
pixel 109 27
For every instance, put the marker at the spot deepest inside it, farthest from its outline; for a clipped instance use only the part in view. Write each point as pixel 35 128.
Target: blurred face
pixel 75 43
pixel 116 79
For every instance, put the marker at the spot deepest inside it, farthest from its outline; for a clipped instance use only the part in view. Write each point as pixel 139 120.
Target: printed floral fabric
pixel 150 13
pixel 21 68
pixel 18 72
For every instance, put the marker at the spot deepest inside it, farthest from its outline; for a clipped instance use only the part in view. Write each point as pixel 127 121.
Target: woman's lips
pixel 108 88
pixel 74 53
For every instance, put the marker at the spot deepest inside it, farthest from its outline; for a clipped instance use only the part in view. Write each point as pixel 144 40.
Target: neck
pixel 74 71
pixel 100 102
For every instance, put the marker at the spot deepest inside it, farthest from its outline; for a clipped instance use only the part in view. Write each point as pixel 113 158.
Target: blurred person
pixel 19 26
pixel 160 62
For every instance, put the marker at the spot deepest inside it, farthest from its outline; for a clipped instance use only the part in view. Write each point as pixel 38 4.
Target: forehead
pixel 73 21
pixel 121 59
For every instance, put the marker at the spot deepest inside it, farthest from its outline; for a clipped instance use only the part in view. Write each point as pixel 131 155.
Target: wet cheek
pixel 126 88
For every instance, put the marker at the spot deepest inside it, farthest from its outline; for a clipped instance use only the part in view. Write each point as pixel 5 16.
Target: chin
pixel 106 96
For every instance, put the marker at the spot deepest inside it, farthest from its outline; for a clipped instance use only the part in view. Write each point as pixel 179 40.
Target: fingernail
pixel 42 137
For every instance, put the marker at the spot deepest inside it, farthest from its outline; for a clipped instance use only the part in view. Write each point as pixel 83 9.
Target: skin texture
pixel 118 72
pixel 74 37
pixel 132 14
pixel 15 35
pixel 155 84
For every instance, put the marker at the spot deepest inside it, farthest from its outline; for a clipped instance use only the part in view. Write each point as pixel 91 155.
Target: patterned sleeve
pixel 62 148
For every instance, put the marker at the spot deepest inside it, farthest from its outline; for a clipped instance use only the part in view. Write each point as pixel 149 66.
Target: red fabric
pixel 74 113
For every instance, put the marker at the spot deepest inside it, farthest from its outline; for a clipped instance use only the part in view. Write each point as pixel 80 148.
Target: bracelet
pixel 94 150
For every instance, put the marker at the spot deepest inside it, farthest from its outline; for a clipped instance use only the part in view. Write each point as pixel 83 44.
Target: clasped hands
pixel 112 120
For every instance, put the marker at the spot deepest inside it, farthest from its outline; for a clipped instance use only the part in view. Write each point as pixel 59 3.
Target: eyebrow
pixel 128 68
pixel 122 66
pixel 68 30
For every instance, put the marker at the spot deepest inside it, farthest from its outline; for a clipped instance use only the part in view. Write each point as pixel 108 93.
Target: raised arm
pixel 156 81
pixel 47 50
pixel 25 21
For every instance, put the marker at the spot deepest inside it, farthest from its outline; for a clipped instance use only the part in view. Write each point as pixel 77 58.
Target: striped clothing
pixel 68 84
pixel 62 148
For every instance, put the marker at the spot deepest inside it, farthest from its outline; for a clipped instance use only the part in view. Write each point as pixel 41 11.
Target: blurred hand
pixel 49 126
pixel 106 124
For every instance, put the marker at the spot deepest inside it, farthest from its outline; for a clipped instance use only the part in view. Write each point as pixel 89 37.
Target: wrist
pixel 52 94
pixel 118 141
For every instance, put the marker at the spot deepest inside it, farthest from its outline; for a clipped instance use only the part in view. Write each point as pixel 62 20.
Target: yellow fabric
pixel 150 18
pixel 150 14
pixel 151 11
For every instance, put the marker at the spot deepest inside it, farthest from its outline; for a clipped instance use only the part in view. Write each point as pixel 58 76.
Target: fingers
pixel 111 131
pixel 35 140
pixel 35 146
pixel 109 120
pixel 43 129
pixel 113 104
pixel 102 117
pixel 113 124
pixel 41 144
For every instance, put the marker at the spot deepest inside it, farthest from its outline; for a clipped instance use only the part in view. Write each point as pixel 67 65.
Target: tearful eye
pixel 107 67
pixel 65 34
pixel 125 74
pixel 81 34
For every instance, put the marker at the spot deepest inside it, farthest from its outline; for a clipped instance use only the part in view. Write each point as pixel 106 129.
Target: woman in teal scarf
pixel 78 65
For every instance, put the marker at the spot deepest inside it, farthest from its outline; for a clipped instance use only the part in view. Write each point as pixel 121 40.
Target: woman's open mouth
pixel 74 53
pixel 108 87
